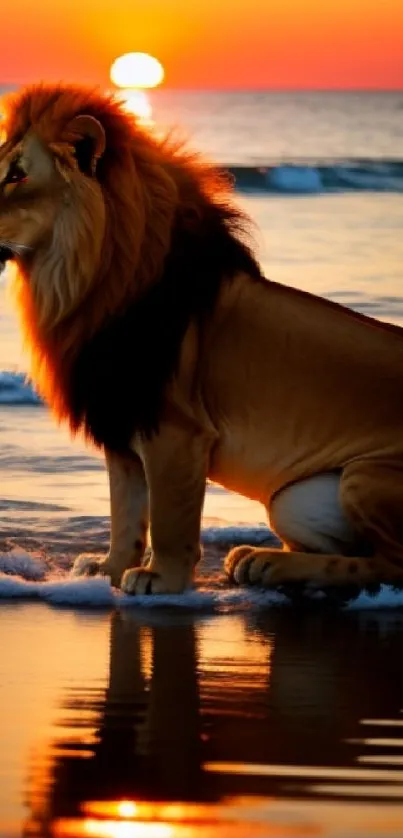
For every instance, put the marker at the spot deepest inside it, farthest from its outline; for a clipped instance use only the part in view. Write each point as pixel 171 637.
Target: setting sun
pixel 138 70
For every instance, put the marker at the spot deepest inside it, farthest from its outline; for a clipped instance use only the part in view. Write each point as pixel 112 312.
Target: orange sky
pixel 209 43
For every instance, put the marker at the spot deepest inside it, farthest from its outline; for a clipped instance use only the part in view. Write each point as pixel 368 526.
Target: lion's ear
pixel 89 142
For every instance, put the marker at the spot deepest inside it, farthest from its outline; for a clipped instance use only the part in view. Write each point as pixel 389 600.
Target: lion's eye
pixel 15 174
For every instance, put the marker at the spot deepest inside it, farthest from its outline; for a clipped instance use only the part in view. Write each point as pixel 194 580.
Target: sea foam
pixel 25 575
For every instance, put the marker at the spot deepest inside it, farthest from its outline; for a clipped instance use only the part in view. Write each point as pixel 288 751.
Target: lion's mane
pixel 173 236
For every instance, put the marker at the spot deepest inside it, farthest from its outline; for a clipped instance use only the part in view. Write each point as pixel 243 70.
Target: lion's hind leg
pixel 371 497
pixel 308 516
pixel 322 548
pixel 268 568
pixel 371 492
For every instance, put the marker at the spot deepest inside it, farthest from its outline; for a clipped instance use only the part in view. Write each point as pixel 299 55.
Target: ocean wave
pixel 15 389
pixel 67 535
pixel 308 177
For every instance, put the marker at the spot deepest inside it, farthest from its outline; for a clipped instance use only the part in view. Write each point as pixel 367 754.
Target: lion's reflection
pixel 185 696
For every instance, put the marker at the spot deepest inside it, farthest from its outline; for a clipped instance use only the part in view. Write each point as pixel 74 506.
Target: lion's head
pixel 73 198
pixel 97 212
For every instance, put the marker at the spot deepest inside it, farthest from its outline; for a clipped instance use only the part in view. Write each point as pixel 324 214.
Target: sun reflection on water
pixel 111 829
pixel 137 103
pixel 128 819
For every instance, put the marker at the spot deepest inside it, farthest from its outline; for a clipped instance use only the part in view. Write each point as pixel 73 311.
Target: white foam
pixel 387 598
pixel 25 575
pixel 222 600
pixel 21 563
pixel 93 592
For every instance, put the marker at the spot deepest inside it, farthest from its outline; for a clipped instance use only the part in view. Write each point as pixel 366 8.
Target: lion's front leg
pixel 129 519
pixel 175 462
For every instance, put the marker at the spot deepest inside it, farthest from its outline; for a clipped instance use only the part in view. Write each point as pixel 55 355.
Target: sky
pixel 238 44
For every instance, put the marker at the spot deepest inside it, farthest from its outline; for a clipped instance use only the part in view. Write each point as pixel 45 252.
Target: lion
pixel 153 331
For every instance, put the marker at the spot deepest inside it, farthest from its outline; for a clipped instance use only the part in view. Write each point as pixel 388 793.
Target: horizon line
pixel 210 89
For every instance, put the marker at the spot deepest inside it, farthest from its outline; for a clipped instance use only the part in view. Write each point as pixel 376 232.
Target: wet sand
pixel 135 724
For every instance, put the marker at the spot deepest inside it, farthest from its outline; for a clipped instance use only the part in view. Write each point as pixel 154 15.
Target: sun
pixel 137 70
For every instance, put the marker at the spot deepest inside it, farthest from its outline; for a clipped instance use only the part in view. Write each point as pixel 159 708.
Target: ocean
pixel 278 715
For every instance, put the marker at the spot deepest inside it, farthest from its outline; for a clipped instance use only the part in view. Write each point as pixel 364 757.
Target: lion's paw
pixel 89 564
pixel 299 574
pixel 246 566
pixel 142 580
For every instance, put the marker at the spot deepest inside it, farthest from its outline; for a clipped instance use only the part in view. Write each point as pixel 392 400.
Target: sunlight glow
pixel 138 70
pixel 143 810
pixel 127 809
pixel 111 829
pixel 137 103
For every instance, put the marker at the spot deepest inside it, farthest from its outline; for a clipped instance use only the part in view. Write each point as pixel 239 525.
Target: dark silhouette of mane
pixel 173 237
